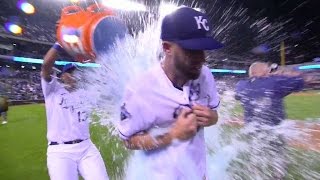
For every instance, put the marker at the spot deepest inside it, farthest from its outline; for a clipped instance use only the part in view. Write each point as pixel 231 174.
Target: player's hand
pixel 204 115
pixel 185 126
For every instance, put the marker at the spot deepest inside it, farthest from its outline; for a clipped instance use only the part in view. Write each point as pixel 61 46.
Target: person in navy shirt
pixel 262 94
pixel 262 97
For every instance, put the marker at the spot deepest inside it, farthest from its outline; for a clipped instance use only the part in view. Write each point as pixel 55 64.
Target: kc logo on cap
pixel 202 21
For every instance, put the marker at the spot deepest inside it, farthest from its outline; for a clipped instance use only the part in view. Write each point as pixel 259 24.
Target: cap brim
pixel 207 43
pixel 69 68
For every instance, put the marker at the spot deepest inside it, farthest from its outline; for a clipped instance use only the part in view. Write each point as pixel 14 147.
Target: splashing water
pixel 252 152
pixel 259 152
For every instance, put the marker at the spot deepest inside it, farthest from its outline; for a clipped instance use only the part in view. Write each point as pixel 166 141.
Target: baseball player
pixel 166 109
pixel 70 150
pixel 4 107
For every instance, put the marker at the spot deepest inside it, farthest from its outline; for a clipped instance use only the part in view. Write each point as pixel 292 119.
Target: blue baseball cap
pixel 189 29
pixel 69 67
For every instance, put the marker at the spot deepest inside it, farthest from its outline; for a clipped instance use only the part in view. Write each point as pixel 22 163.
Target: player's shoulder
pixel 206 70
pixel 243 83
pixel 52 81
pixel 206 75
pixel 53 86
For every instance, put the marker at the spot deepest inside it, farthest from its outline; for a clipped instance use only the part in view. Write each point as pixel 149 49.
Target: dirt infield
pixel 307 93
pixel 311 133
pixel 312 136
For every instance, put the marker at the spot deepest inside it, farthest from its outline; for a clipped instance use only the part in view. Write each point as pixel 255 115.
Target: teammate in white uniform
pixel 70 149
pixel 175 100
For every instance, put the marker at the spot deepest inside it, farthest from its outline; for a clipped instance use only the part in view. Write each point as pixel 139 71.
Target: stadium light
pixel 13 28
pixel 26 7
pixel 124 5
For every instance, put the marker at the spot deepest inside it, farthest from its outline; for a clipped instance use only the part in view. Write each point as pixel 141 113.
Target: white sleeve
pixel 48 87
pixel 136 115
pixel 214 100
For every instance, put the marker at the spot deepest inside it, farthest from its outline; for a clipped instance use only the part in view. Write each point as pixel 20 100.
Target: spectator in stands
pixel 21 84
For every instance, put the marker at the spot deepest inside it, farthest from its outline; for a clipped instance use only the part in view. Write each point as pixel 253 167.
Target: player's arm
pixel 147 142
pixel 48 63
pixel 306 77
pixel 311 79
pixel 184 128
pixel 289 84
pixel 286 72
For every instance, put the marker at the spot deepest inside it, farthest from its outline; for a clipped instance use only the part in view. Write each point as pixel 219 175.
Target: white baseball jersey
pixel 151 104
pixel 67 118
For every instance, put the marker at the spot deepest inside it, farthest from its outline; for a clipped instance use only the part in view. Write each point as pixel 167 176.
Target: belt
pixel 68 142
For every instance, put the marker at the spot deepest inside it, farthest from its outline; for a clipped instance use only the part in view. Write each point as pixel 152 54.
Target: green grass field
pixel 303 106
pixel 23 139
pixel 24 145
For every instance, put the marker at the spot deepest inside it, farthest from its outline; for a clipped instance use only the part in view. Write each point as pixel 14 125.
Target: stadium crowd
pixel 33 29
pixel 20 85
pixel 24 85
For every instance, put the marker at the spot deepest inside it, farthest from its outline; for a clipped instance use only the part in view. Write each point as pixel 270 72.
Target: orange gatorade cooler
pixel 86 33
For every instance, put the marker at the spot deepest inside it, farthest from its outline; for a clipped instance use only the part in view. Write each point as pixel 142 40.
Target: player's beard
pixel 194 73
pixel 188 71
